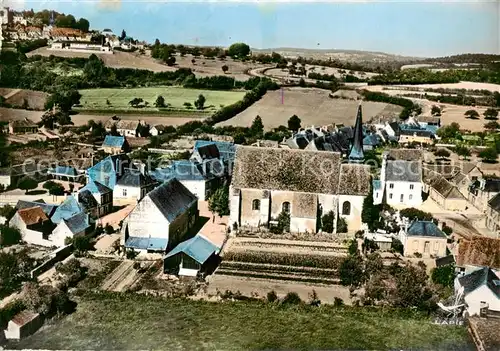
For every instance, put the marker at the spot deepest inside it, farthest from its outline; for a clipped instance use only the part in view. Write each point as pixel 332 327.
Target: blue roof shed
pixel 199 248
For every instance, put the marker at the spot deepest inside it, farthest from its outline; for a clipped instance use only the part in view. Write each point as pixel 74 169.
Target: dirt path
pixel 122 277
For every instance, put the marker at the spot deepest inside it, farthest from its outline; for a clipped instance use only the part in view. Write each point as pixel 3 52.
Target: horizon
pixel 414 29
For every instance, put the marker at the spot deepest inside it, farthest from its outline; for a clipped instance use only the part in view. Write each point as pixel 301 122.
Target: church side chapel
pixel 304 184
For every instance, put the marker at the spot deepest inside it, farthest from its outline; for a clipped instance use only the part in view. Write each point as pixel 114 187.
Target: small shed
pixel 192 256
pixel 23 324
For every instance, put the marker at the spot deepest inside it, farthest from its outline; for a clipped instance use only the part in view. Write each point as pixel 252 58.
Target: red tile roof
pixel 33 215
pixel 24 317
pixel 479 251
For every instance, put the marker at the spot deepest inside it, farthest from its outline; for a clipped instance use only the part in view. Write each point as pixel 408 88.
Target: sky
pixel 405 27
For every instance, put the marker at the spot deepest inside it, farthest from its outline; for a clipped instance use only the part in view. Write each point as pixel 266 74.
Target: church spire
pixel 356 155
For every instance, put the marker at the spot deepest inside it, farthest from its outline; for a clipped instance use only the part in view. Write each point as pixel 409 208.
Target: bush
pixel 337 302
pixel 327 222
pixel 9 235
pixel 272 296
pixel 444 275
pixel 72 269
pixel 313 298
pixel 415 214
pixel 109 229
pixel 292 298
pixel 397 246
pixel 341 225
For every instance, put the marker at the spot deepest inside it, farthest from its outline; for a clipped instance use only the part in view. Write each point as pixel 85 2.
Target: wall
pixel 181 225
pixel 483 293
pixel 60 233
pixel 132 193
pixel 197 187
pixel 413 244
pixel 354 219
pixel 5 180
pixel 251 217
pixel 28 235
pixel 54 257
pixel 403 188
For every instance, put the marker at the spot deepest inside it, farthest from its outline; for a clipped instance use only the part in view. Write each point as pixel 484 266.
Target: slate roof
pixel 444 261
pixel 95 187
pixel 198 248
pixel 445 188
pixel 478 278
pixel 226 149
pixel 404 154
pixel 492 185
pixel 113 141
pixel 372 139
pixel 48 209
pixel 447 171
pixel 395 127
pixel 403 171
pixel 154 244
pixel 67 209
pixel 134 178
pixel 354 179
pixel 208 151
pixel 479 251
pixel 172 199
pixel 181 170
pixel 87 200
pixel 494 202
pixel 286 169
pixel 425 228
pixel 32 215
pixel 108 169
pixel 78 223
pixel 64 171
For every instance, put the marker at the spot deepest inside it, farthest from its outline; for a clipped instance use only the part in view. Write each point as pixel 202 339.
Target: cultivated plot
pixel 313 106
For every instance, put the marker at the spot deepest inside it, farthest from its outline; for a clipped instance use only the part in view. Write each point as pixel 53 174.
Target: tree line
pixel 408 106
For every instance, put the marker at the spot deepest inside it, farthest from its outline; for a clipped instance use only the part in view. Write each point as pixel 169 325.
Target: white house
pixel 161 220
pixel 423 238
pixel 69 228
pixel 400 183
pixel 481 290
pixel 34 225
pixel 133 185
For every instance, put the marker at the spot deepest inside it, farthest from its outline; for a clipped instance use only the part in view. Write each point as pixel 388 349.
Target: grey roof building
pixel 403 171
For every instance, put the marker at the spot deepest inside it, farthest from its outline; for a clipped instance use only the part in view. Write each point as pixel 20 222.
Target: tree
pixel 239 50
pixel 341 225
pixel 257 128
pixel 219 201
pixel 123 35
pixel 442 153
pixel 370 213
pixel 493 125
pixel 200 102
pixel 294 123
pixel 491 113
pixel 72 270
pixel 435 110
pixel 444 275
pixel 411 287
pixel 160 101
pixel 463 151
pixel 56 190
pixel 472 114
pixel 64 99
pixel 451 131
pixel 489 155
pixel 81 243
pixel 416 214
pixel 239 139
pixel 7 211
pixel 9 235
pixel 225 68
pixel 351 271
pixel 193 61
pixel 109 229
pixel 27 184
pixel 170 61
pixel 114 130
pixel 327 222
pixel 374 264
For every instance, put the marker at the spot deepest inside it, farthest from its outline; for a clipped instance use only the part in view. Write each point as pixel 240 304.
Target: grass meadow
pixel 110 321
pixel 175 97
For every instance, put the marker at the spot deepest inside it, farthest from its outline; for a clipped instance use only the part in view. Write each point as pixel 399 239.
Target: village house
pixel 161 220
pixel 157 130
pixel 227 152
pixel 493 214
pixel 23 324
pixel 33 224
pixel 66 173
pixel 443 192
pixel 305 184
pixel 23 126
pixel 481 289
pixel 191 174
pixel 482 190
pixel 76 225
pixel 96 198
pixel 125 128
pixel 192 257
pixel 10 176
pixel 400 183
pixel 133 185
pixel 115 145
pixel 423 238
pixel 409 135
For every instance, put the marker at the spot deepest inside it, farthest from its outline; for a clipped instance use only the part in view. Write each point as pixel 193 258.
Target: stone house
pixel 424 238
pixel 96 198
pixel 161 220
pixel 445 193
pixel 305 184
pixel 76 225
pixel 125 128
pixel 400 183
pixel 157 130
pixel 133 185
pixel 23 324
pixel 34 225
pixel 115 145
pixel 481 289
pixel 483 190
pixel 22 126
pixel 493 214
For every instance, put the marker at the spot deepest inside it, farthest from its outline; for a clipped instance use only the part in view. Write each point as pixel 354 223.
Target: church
pixel 304 183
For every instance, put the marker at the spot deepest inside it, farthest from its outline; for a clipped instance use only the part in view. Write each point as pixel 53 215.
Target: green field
pixel 132 322
pixel 175 97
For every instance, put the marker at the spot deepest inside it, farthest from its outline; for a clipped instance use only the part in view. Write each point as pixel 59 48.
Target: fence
pixel 55 256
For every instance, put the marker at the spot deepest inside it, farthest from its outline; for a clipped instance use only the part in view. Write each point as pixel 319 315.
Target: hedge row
pixel 283 258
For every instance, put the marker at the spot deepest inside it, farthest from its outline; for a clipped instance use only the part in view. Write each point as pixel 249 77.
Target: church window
pixel 256 205
pixel 285 207
pixel 346 208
